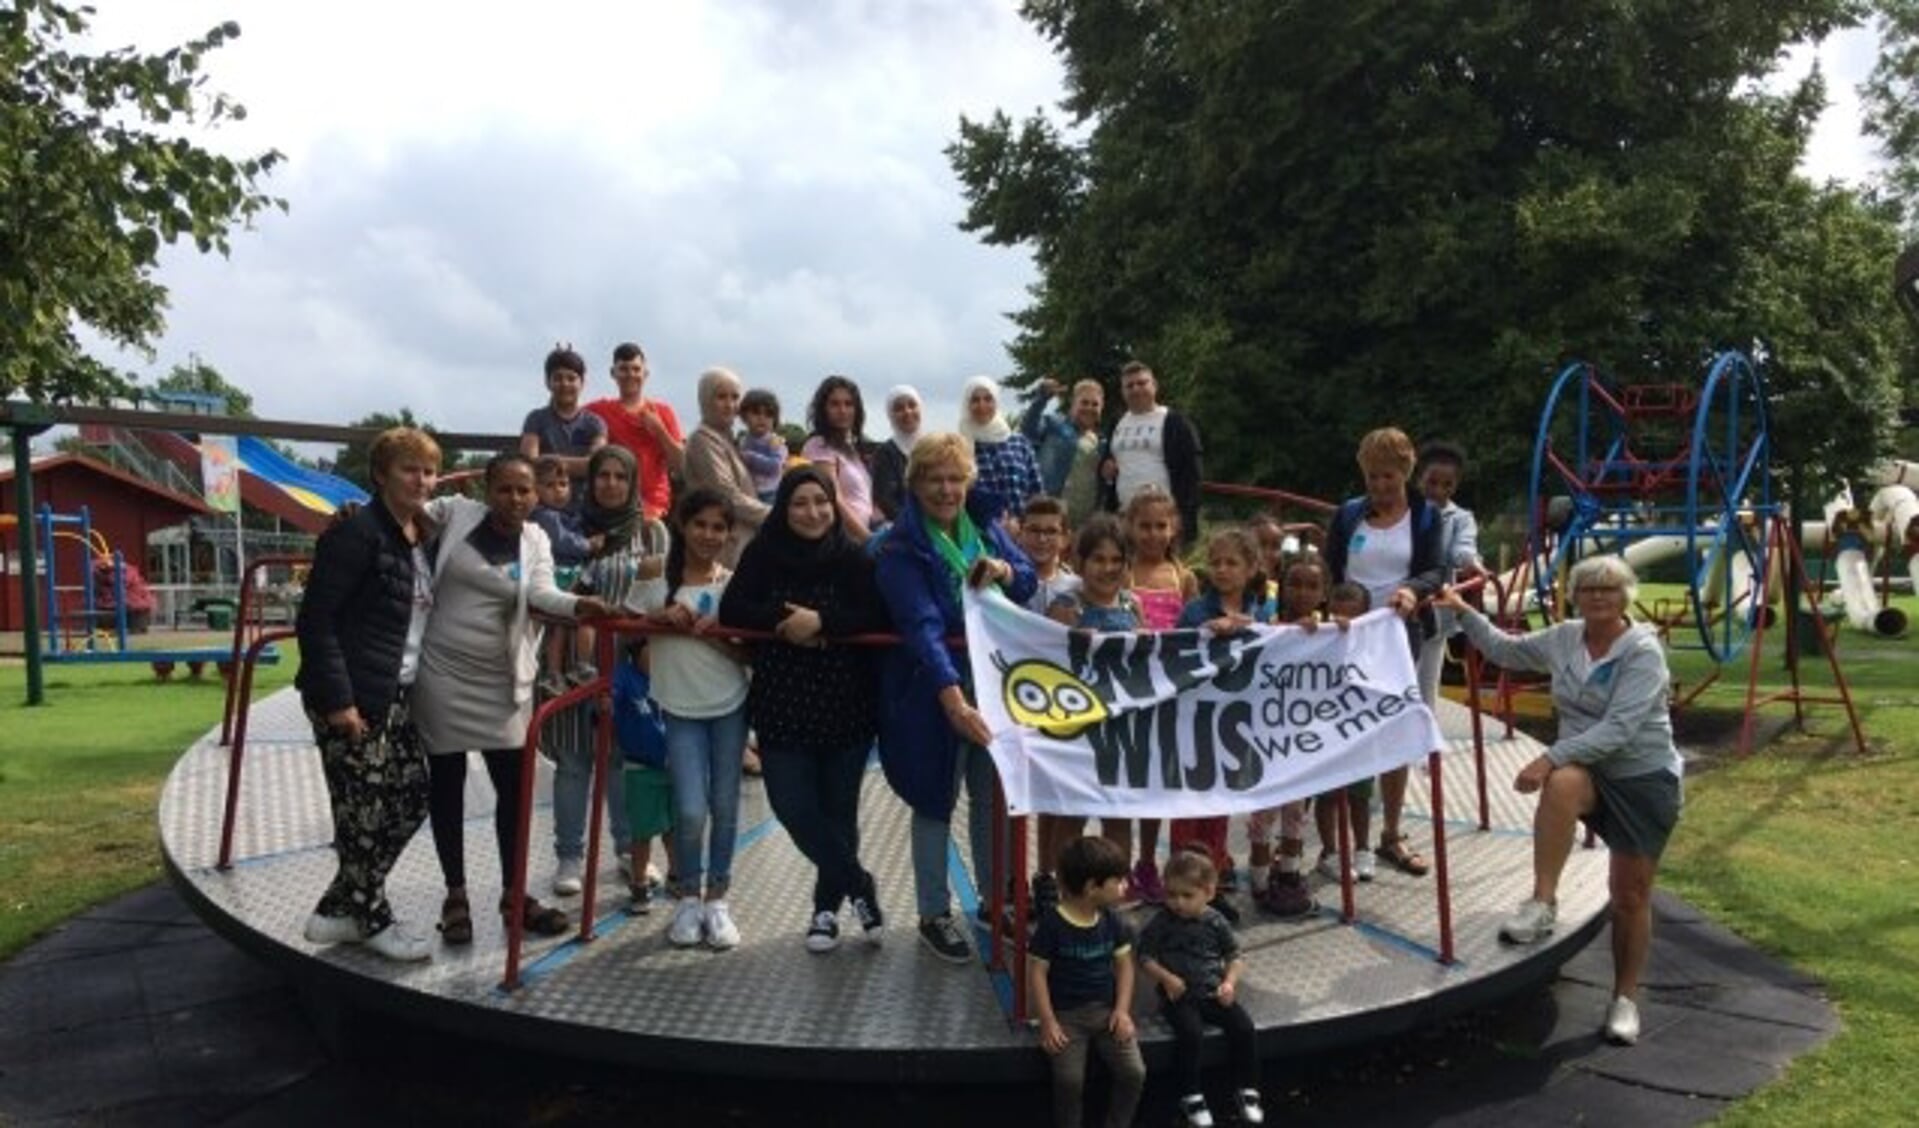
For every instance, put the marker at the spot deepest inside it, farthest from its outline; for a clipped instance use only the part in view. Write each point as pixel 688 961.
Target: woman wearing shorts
pixel 1614 765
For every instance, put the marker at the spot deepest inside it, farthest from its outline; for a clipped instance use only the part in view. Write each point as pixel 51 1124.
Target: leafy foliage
pixel 352 464
pixel 92 184
pixel 1891 97
pixel 1314 219
pixel 196 375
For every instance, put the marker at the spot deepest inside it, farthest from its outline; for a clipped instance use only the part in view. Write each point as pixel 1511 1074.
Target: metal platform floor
pixel 888 1014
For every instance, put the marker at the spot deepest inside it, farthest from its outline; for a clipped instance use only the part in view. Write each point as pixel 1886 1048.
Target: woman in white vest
pixel 492 569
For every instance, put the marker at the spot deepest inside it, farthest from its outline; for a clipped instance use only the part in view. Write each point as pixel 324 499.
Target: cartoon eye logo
pixel 1040 695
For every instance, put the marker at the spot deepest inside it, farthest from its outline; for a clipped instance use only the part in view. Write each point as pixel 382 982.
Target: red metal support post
pixel 1437 774
pixel 243 678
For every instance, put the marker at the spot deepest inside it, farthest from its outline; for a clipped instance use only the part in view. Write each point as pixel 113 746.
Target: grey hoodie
pixel 1615 721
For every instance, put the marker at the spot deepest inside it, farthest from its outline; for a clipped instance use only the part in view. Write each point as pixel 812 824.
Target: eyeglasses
pixel 1597 589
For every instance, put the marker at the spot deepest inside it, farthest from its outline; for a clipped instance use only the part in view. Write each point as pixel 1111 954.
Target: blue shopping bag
pixel 638 724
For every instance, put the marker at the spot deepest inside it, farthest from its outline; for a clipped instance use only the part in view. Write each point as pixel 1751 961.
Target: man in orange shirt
pixel 646 427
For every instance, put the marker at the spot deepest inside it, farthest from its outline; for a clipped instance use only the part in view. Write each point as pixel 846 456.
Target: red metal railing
pixel 1270 496
pixel 995 896
pixel 240 623
pixel 236 754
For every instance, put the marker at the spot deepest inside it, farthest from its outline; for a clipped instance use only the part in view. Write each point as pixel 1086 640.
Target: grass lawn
pixel 80 777
pixel 1808 849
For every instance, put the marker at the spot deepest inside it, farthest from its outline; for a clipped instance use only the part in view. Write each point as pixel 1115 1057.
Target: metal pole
pixel 29 566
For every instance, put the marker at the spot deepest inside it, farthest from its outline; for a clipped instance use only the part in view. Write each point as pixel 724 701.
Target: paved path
pixel 134 1013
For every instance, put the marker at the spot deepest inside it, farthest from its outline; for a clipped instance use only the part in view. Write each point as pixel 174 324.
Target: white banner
pixel 1184 724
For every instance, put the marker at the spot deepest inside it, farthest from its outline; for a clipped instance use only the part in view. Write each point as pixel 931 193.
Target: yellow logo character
pixel 1040 695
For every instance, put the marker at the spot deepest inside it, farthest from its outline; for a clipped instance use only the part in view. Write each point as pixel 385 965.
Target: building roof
pixel 48 463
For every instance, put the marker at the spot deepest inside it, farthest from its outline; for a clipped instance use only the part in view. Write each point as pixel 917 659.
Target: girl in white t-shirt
pixel 700 684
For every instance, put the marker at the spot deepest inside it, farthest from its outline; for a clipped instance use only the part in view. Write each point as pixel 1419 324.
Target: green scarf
pixel 959 552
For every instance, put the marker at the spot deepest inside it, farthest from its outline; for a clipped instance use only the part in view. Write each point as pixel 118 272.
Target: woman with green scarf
pixel 931 737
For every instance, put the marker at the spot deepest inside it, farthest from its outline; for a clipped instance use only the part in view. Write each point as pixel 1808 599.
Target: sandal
pixel 538 919
pixel 1394 852
pixel 456 919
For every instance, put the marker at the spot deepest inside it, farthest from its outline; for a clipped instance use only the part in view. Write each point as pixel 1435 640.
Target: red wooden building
pixel 125 510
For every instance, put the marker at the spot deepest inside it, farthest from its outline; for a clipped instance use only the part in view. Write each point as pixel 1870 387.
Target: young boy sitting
pixel 571 548
pixel 1080 976
pixel 1191 953
pixel 762 448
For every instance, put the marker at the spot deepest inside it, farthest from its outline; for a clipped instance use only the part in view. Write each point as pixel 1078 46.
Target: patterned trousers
pixel 378 786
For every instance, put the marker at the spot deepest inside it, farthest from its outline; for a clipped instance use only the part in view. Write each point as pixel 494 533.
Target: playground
pixel 1757 805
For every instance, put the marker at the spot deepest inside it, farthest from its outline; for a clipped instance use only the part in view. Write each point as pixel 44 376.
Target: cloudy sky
pixel 759 185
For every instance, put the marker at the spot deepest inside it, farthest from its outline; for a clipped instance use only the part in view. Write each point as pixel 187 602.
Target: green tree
pixel 1891 95
pixel 196 375
pixel 1314 219
pixel 92 184
pixel 351 462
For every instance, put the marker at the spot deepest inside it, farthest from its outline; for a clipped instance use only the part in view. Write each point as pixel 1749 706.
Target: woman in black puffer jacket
pixel 360 625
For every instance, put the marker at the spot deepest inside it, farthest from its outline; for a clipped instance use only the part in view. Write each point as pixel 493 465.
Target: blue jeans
pixel 573 786
pixel 815 793
pixel 703 759
pixel 930 836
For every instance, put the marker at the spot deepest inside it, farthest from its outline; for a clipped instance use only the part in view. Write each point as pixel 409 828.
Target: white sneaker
pixel 1622 1022
pixel 1363 865
pixel 1250 1110
pixel 684 932
pixel 566 877
pixel 323 929
pixel 1192 1108
pixel 1328 865
pixel 721 932
pixel 398 945
pixel 1530 923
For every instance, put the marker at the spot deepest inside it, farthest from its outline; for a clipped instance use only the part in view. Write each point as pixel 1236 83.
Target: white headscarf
pixel 894 394
pixel 711 381
pixel 995 431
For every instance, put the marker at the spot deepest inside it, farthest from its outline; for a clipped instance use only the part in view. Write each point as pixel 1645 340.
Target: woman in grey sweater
pixel 1614 765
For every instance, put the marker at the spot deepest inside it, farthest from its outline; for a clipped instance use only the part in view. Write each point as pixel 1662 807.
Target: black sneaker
pixel 1225 908
pixel 866 906
pixel 824 935
pixel 943 936
pixel 1285 896
pixel 983 916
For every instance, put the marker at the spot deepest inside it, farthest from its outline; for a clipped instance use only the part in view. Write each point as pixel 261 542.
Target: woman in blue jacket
pixel 930 735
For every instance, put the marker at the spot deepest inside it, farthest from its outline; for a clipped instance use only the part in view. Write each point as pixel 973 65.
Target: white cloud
pixel 760 185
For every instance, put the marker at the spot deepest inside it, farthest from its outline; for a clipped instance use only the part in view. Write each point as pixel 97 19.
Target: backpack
pixel 638 724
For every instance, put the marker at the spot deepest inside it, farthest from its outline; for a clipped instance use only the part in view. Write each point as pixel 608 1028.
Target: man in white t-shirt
pixel 1152 445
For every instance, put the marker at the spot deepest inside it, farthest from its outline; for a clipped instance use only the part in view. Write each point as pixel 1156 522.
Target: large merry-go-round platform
pixel 889 1014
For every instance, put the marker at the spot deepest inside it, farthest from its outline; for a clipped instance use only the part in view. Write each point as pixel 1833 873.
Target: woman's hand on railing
pixel 1450 599
pixel 801 627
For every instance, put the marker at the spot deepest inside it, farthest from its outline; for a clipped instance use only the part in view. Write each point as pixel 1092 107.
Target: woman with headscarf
pixel 1008 467
pixel 837 419
pixel 713 458
pixel 903 408
pixel 812 704
pixel 633 548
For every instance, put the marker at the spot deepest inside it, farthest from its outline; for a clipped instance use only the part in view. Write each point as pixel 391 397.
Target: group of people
pixel 421 640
